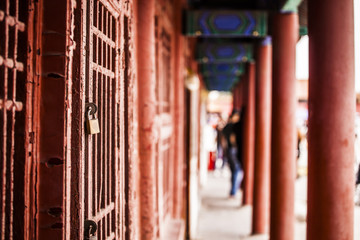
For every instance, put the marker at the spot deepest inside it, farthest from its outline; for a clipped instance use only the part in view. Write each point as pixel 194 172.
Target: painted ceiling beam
pixel 220 82
pixel 224 52
pixel 225 23
pixel 232 4
pixel 229 69
pixel 225 87
pixel 220 79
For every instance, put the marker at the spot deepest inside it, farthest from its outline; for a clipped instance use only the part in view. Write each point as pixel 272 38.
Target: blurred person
pixel 232 132
pixel 221 142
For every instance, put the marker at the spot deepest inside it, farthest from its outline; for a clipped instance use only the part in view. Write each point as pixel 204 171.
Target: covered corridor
pixel 104 118
pixel 226 219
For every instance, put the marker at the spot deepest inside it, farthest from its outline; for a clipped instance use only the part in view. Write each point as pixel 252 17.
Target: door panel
pixel 165 117
pixel 101 177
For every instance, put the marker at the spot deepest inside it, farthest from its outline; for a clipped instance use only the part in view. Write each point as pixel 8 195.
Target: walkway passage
pixel 222 218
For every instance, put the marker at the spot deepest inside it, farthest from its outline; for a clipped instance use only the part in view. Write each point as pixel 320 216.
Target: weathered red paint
pixel 32 112
pixel 76 79
pixel 331 120
pixel 179 153
pixel 147 113
pixel 52 121
pixel 72 191
pixel 261 205
pixel 131 137
pixel 102 196
pixel 249 135
pixel 165 61
pixel 283 139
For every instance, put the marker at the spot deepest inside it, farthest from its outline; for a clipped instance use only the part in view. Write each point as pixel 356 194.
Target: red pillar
pixel 240 94
pixel 249 136
pixel 236 96
pixel 261 206
pixel 283 138
pixel 331 120
pixel 147 114
pixel 179 153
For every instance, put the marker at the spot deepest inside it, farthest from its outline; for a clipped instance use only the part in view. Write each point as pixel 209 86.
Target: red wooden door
pixel 102 178
pixel 16 118
pixel 165 98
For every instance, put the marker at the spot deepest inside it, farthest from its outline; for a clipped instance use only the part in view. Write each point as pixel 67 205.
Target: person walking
pixel 232 132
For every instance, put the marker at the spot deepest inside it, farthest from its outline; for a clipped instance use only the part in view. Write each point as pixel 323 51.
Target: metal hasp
pixel 92 123
pixel 90 228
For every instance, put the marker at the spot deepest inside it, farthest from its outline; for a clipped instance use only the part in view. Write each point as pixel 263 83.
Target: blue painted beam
pixel 220 82
pixel 226 23
pixel 224 52
pixel 230 69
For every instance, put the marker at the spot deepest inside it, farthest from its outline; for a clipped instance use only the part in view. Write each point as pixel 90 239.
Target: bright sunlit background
pixel 302 58
pixel 302 52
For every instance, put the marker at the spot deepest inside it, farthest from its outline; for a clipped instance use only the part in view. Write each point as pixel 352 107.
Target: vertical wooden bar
pixel 97 137
pixel 91 150
pixel 146 66
pixel 4 135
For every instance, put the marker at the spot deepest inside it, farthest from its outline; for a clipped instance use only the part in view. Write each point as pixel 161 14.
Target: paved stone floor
pixel 221 218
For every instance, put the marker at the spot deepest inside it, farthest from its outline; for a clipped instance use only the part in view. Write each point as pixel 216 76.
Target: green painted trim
pixel 291 6
pixel 303 31
pixel 263 24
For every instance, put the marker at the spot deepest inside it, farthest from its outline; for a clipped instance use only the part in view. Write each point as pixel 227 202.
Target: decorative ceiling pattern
pixel 228 69
pixel 228 32
pixel 226 23
pixel 224 52
pixel 220 82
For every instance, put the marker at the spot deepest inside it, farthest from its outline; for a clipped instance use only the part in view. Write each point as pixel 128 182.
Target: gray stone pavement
pixel 221 218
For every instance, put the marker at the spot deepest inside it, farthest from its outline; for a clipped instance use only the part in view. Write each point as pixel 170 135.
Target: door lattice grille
pixel 13 44
pixel 101 165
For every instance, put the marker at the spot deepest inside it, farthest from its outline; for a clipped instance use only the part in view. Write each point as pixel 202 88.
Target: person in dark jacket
pixel 232 133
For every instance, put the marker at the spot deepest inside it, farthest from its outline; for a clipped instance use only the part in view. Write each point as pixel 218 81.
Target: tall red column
pixel 147 115
pixel 236 97
pixel 179 153
pixel 261 206
pixel 283 136
pixel 241 93
pixel 331 120
pixel 249 136
pixel 235 94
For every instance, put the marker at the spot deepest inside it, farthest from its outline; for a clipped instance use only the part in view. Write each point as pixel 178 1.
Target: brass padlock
pixel 92 123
